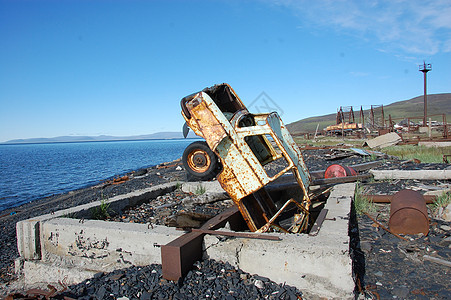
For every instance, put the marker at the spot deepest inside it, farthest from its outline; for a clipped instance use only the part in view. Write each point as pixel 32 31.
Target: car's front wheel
pixel 200 162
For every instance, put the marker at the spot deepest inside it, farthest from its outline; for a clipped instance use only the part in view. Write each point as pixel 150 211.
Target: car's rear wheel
pixel 200 162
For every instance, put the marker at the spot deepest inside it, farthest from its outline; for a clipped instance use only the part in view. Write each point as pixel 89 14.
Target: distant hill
pixel 102 138
pixel 437 104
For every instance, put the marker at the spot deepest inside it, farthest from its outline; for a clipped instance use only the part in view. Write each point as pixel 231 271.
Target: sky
pixel 121 67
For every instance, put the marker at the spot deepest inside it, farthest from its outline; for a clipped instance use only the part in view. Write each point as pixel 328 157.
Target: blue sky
pixel 121 67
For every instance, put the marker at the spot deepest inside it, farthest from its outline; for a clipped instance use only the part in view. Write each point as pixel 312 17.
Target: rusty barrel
pixel 339 171
pixel 408 213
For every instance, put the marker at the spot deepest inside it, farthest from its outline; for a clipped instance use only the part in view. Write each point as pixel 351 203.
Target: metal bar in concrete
pixel 318 222
pixel 178 256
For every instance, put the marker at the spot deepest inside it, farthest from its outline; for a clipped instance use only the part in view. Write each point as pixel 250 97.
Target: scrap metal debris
pixel 51 293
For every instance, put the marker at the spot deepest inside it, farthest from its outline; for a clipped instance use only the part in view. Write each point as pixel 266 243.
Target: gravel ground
pixel 386 266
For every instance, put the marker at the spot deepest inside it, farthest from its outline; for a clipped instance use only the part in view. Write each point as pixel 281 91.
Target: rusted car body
pixel 255 150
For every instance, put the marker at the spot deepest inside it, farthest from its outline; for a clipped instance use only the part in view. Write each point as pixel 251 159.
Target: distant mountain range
pixel 436 104
pixel 102 138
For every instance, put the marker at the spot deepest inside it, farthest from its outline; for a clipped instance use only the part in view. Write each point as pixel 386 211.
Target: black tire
pixel 200 162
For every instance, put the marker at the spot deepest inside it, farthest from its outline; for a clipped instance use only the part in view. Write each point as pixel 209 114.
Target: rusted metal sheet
pixel 245 143
pixel 408 213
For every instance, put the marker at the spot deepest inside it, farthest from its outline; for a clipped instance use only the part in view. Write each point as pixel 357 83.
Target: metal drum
pixel 339 171
pixel 408 213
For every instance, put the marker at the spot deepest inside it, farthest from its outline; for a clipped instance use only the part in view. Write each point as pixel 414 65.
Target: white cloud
pixel 417 27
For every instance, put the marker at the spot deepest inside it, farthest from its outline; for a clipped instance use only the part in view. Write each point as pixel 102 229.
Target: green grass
pixel 361 203
pixel 422 153
pixel 441 201
pixel 101 212
pixel 200 190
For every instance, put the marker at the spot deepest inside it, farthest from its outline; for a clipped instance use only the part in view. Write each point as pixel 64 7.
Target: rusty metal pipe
pixel 429 199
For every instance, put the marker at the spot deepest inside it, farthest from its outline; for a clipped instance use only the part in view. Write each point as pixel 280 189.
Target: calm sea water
pixel 33 171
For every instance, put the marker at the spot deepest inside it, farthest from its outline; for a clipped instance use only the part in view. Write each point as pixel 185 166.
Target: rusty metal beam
pixel 318 222
pixel 341 179
pixel 178 256
pixel 387 198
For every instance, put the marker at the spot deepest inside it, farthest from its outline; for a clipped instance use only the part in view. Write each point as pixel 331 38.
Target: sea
pixel 33 171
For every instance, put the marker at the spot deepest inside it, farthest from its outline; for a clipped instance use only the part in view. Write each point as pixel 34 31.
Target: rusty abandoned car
pixel 246 152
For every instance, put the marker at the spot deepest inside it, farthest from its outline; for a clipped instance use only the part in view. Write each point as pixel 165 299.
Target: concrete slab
pixel 28 231
pixel 383 141
pixel 102 246
pixel 75 249
pixel 37 273
pixel 412 174
pixel 320 265
pixel 210 187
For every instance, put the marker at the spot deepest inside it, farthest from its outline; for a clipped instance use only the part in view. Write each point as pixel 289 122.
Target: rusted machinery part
pixel 336 170
pixel 200 162
pixel 178 256
pixel 408 213
pixel 429 199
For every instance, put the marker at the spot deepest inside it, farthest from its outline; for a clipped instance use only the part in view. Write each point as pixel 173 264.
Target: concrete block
pixel 210 187
pixel 39 273
pixel 102 246
pixel 412 174
pixel 28 242
pixel 320 265
pixel 28 231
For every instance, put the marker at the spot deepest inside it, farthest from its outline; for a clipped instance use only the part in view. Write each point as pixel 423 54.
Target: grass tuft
pixel 200 190
pixel 361 203
pixel 441 201
pixel 422 153
pixel 101 212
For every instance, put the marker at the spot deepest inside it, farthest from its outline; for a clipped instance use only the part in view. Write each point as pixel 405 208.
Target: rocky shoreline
pixel 385 266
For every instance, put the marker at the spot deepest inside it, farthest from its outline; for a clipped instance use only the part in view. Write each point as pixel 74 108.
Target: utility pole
pixel 425 68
